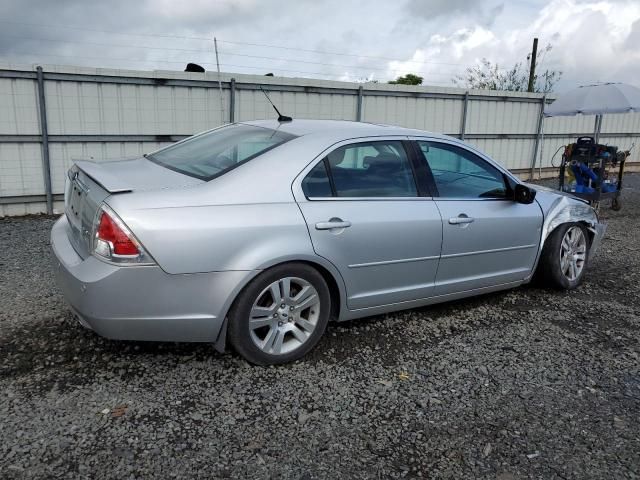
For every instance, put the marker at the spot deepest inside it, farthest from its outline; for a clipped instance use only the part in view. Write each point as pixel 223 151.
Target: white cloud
pixel 590 42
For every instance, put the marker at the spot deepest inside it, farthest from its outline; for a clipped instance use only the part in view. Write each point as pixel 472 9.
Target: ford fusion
pixel 257 234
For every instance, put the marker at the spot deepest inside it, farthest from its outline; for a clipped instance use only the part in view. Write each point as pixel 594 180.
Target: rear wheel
pixel 280 315
pixel 564 257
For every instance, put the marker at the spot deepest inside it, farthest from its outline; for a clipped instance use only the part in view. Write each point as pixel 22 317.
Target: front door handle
pixel 461 219
pixel 333 223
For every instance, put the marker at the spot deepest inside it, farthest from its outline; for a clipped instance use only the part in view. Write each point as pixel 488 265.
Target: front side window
pixel 211 154
pixel 459 173
pixel 368 169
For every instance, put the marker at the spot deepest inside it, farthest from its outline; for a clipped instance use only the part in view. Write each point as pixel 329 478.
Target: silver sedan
pixel 259 233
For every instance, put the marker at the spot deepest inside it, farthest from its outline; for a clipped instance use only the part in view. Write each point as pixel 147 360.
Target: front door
pixel 367 216
pixel 487 239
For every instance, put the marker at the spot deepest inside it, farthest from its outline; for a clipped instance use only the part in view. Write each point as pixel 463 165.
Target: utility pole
pixel 532 68
pixel 215 46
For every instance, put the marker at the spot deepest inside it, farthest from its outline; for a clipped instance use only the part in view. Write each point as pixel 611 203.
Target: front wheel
pixel 280 315
pixel 564 256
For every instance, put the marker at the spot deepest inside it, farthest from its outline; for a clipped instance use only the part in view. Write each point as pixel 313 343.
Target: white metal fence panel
pixel 580 125
pixel 83 108
pixel 253 105
pixel 20 169
pixel 491 116
pixel 625 123
pixel 18 107
pixel 513 153
pixel 431 114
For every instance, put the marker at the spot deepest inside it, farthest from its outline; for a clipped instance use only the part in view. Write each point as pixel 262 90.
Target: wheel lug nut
pixel 290 308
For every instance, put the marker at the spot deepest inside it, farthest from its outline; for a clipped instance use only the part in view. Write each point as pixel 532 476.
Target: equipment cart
pixel 597 170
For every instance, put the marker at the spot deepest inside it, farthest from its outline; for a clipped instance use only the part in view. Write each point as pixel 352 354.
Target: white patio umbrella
pixel 596 100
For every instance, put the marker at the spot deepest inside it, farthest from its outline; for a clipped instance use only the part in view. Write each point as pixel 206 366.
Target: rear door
pixel 368 216
pixel 487 238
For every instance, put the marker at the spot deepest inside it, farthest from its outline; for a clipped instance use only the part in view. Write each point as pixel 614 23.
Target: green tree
pixel 489 76
pixel 408 79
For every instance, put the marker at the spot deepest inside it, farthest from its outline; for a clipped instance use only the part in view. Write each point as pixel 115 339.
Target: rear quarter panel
pixel 193 239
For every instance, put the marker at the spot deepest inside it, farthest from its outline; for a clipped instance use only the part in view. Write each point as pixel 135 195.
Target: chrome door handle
pixel 331 224
pixel 460 220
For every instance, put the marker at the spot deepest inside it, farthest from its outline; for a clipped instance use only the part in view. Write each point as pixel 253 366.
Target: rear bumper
pixel 143 302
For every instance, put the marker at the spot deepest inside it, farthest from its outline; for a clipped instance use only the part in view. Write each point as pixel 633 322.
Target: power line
pixel 209 39
pixel 295 71
pixel 340 53
pixel 321 52
pixel 357 67
pixel 139 60
pixel 364 67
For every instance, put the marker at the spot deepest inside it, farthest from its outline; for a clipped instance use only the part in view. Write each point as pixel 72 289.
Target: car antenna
pixel 281 118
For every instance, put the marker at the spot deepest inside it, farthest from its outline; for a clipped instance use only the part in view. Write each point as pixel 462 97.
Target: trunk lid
pixel 89 184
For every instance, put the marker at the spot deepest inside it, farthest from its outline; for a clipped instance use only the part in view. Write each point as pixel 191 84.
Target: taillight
pixel 109 234
pixel 114 241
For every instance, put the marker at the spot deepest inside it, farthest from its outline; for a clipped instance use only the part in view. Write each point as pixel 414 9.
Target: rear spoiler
pixel 102 177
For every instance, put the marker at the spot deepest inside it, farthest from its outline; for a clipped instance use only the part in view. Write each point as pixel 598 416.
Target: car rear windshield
pixel 211 154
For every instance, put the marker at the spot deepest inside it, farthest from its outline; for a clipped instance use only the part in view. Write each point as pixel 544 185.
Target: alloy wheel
pixel 573 253
pixel 284 315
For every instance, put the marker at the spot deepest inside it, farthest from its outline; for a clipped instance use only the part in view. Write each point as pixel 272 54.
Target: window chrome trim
pixel 474 199
pixel 367 199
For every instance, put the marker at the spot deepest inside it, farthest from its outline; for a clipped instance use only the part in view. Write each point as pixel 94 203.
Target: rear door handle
pixel 461 219
pixel 333 223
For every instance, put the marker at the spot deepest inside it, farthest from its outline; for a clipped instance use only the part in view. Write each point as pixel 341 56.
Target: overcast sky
pixel 333 39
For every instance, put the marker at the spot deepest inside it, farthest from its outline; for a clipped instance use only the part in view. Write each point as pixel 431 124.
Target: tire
pixel 558 266
pixel 267 327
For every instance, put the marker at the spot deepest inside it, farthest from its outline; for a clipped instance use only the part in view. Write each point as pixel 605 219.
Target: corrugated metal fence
pixel 53 115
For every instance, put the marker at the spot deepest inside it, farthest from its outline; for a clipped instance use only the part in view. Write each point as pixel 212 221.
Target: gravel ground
pixel 527 383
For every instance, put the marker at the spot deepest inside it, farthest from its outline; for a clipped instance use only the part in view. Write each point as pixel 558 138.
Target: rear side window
pixel 213 153
pixel 368 169
pixel 459 173
pixel 316 183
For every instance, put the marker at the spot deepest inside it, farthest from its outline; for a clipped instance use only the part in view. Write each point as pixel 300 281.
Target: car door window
pixel 459 173
pixel 367 169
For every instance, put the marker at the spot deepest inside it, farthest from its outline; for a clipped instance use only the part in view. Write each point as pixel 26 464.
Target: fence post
pixel 536 145
pixel 46 169
pixel 359 105
pixel 232 101
pixel 463 122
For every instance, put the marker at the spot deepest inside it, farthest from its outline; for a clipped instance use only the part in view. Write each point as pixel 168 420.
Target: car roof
pixel 338 129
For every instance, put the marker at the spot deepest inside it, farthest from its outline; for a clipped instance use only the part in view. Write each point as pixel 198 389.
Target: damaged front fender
pixel 560 208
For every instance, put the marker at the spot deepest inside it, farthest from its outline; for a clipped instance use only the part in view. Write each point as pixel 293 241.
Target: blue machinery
pixel 591 171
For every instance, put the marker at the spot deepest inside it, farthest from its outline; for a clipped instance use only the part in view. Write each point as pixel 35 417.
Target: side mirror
pixel 524 194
